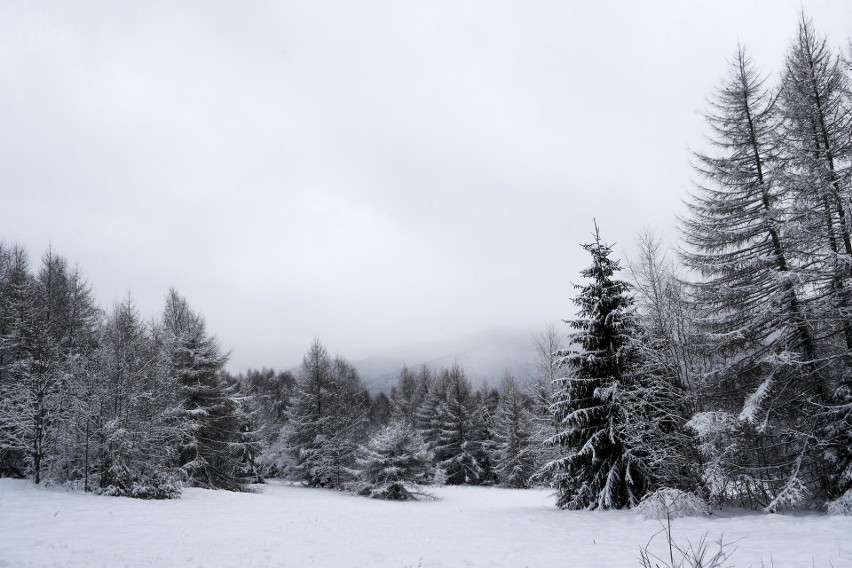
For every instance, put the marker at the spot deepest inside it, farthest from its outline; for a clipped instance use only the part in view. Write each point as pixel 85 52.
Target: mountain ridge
pixel 485 356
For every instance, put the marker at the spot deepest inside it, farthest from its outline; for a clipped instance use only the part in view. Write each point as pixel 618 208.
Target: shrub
pixel 667 503
pixel 842 505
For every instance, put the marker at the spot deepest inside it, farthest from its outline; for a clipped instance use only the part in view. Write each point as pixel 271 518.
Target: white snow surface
pixel 285 526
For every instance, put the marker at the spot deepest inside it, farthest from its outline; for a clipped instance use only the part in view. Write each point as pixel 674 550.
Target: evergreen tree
pixel 269 395
pixel 514 428
pixel 208 413
pixel 598 471
pixel 758 258
pixel 427 415
pixel 748 298
pixel 457 450
pixel 837 440
pixel 380 411
pixel 393 464
pixel 485 403
pixel 407 396
pixel 327 419
pixel 130 439
pixel 16 352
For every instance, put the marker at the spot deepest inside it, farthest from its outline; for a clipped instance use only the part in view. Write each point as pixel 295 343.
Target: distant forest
pixel 721 368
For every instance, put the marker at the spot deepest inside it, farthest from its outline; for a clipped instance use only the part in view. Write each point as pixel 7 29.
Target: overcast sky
pixel 369 173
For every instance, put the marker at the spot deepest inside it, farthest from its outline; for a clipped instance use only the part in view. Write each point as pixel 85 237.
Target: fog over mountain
pixel 485 356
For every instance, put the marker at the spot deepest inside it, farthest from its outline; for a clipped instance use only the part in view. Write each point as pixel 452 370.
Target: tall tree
pixel 543 388
pixel 457 449
pixel 748 300
pixel 817 149
pixel 130 440
pixel 755 259
pixel 17 352
pixel 514 429
pixel 327 419
pixel 667 386
pixel 597 471
pixel 213 438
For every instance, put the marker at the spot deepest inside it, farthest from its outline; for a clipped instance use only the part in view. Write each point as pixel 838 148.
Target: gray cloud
pixel 369 173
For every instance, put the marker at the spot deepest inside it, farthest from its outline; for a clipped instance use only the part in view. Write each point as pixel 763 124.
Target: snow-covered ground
pixel 294 527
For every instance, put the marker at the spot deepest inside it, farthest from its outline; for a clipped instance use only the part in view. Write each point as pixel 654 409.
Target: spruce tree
pixel 207 413
pixel 393 464
pixel 457 449
pixel 597 471
pixel 514 428
pixel 427 417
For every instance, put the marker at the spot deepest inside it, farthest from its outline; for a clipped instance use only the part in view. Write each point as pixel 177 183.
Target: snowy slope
pixel 295 527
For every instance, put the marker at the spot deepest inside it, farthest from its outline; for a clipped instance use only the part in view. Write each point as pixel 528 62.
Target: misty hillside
pixel 485 356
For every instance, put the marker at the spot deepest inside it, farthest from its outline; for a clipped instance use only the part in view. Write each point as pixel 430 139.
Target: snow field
pixel 293 527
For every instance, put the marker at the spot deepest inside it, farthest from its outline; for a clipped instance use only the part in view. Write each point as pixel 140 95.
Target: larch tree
pixel 753 261
pixel 128 440
pixel 817 150
pixel 327 419
pixel 667 370
pixel 17 349
pixel 547 343
pixel 816 105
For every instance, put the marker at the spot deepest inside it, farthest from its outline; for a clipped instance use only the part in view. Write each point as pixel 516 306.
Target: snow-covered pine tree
pixel 380 411
pixel 17 346
pixel 213 440
pixel 816 105
pixel 407 395
pixel 597 470
pixel 309 415
pixel 514 426
pixel 836 440
pixel 350 414
pixel 40 372
pixel 748 299
pixel 751 253
pixel 427 414
pixel 485 402
pixel 393 465
pixel 327 419
pixel 817 150
pixel 270 396
pixel 81 322
pixel 458 444
pixel 129 438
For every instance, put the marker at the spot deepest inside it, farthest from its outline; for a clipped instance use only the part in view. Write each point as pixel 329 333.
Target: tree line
pixel 107 401
pixel 725 371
